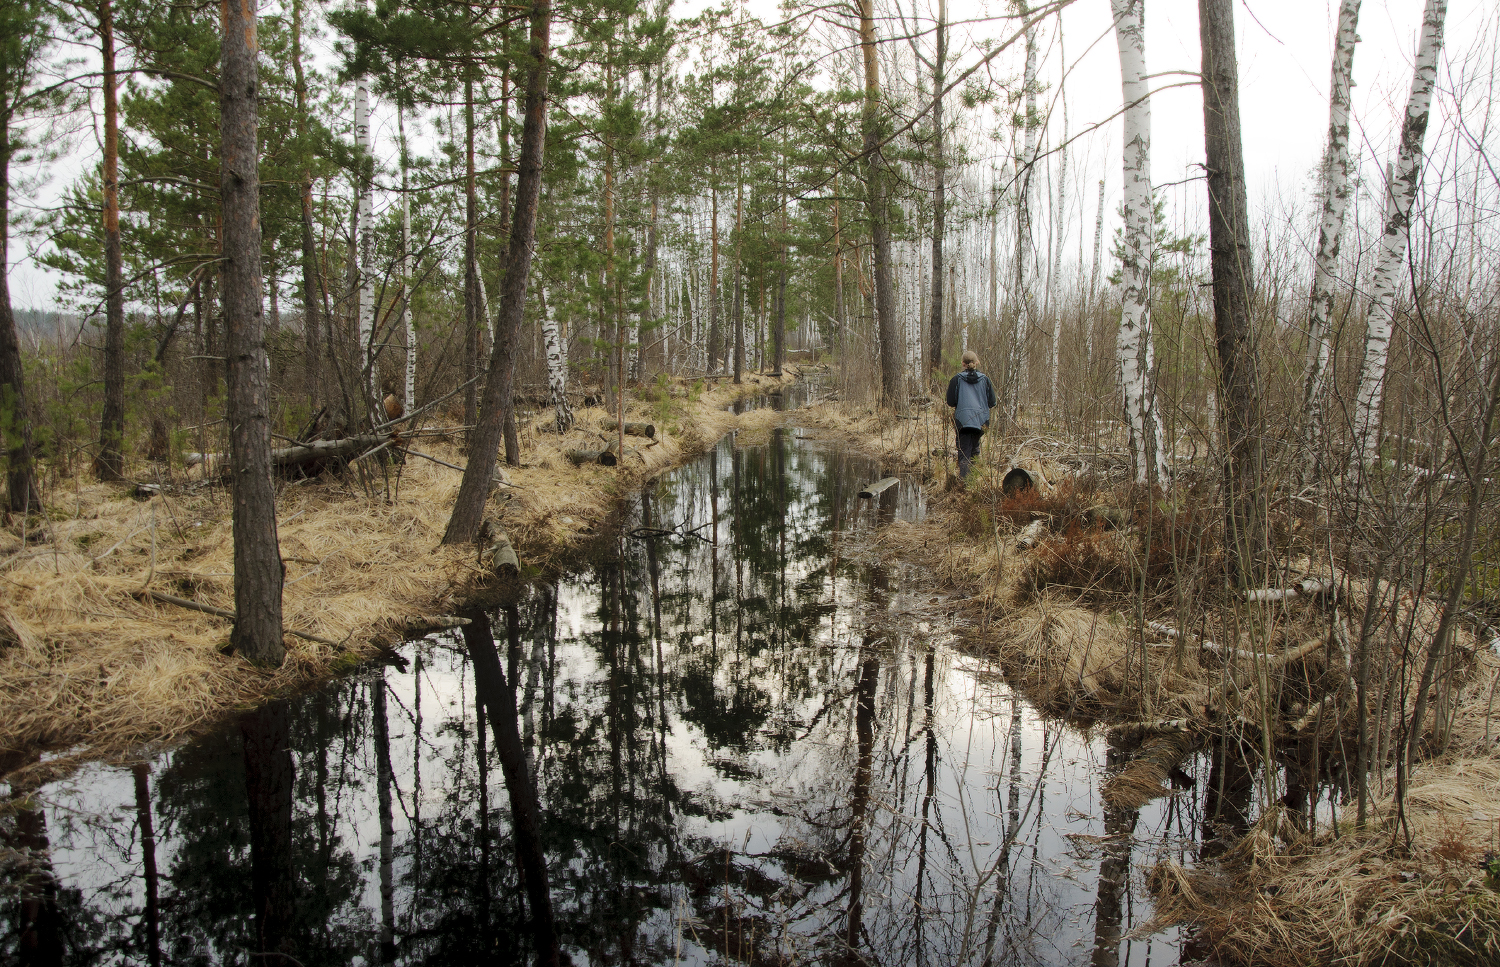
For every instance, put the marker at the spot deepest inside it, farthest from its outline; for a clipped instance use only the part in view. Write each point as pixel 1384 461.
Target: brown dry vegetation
pixel 89 670
pixel 1081 621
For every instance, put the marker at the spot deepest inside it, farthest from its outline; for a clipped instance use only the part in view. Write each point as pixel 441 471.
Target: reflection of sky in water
pixel 695 771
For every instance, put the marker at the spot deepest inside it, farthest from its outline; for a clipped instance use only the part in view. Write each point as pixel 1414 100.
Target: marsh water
pixel 749 737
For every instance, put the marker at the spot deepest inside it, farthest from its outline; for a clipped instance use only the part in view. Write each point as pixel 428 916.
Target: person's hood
pixel 971 376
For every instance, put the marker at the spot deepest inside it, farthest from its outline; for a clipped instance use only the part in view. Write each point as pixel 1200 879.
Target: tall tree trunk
pixel 873 130
pixel 840 312
pixel 408 315
pixel 110 463
pixel 499 386
pixel 1024 316
pixel 715 342
pixel 939 176
pixel 1133 345
pixel 22 494
pixel 1336 190
pixel 365 241
pixel 1233 283
pixel 739 277
pixel 471 262
pixel 1053 281
pixel 311 291
pixel 257 555
pixel 1088 321
pixel 1391 258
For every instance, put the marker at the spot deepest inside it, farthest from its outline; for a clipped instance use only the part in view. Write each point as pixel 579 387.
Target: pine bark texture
pixel 21 490
pixel 1230 259
pixel 1336 191
pixel 257 554
pixel 110 462
pixel 1390 260
pixel 1133 345
pixel 880 230
pixel 499 384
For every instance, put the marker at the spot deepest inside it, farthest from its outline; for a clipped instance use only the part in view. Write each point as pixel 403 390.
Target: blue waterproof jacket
pixel 972 396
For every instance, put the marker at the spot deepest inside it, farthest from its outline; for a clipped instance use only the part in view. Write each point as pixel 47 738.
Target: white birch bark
pixel 366 236
pixel 1057 231
pixel 1336 191
pixel 1088 323
pixel 408 316
pixel 1401 189
pixel 1134 341
pixel 1025 305
pixel 557 367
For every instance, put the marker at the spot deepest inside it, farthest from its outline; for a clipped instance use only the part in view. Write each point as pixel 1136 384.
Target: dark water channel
pixel 749 740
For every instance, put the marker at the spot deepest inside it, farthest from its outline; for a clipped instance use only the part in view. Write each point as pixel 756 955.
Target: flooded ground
pixel 749 738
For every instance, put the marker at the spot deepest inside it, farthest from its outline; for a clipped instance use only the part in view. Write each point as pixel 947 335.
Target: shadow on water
pixel 734 733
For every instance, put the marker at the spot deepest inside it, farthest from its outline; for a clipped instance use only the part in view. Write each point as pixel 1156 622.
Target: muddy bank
pixel 1102 604
pixel 90 667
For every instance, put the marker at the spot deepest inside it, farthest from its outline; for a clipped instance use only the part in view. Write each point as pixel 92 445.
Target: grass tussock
pixel 88 669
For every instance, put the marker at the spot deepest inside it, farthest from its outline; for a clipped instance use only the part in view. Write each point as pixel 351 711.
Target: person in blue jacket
pixel 972 396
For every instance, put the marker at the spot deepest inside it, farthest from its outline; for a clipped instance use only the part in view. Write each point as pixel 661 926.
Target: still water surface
pixel 752 739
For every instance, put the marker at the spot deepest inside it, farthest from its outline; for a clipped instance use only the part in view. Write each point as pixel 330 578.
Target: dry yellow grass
pixel 88 670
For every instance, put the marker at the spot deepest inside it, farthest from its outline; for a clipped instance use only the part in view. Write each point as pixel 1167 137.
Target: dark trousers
pixel 968 449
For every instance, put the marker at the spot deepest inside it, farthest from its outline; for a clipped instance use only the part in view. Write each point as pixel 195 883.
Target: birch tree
pixel 1133 345
pixel 1390 259
pixel 1025 304
pixel 1335 202
pixel 557 367
pixel 365 235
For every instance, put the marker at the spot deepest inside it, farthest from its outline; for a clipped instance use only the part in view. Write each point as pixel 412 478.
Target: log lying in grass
pixel 223 613
pixel 1141 779
pixel 305 455
pixel 605 457
pixel 1306 588
pixel 496 551
pixel 879 487
pixel 631 429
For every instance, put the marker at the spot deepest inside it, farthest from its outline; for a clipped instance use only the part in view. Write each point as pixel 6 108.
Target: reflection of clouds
pixel 642 785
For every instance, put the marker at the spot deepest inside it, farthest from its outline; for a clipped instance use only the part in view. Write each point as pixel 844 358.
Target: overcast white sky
pixel 1285 48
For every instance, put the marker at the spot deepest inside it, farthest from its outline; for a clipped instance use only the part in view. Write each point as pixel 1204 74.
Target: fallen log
pixel 605 457
pixel 418 625
pixel 879 487
pixel 631 429
pixel 222 613
pixel 1141 779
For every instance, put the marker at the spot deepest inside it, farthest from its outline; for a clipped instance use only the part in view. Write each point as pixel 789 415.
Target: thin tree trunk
pixel 366 241
pixel 408 320
pixel 22 494
pixel 873 130
pixel 1088 322
pixel 1053 276
pixel 471 262
pixel 1024 316
pixel 1391 259
pixel 1230 262
pixel 257 555
pixel 499 387
pixel 311 326
pixel 110 463
pixel 557 367
pixel 714 340
pixel 939 176
pixel 1336 190
pixel 1134 342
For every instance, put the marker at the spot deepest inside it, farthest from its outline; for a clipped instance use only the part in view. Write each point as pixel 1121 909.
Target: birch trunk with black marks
pixel 1133 345
pixel 1391 258
pixel 366 238
pixel 1336 190
pixel 257 554
pixel 1024 316
pixel 408 316
pixel 1088 322
pixel 557 368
